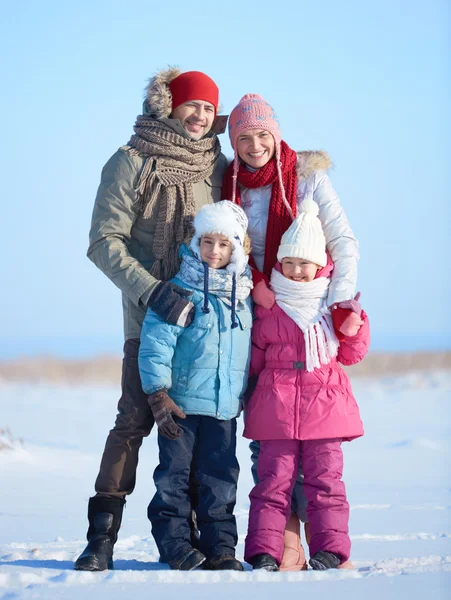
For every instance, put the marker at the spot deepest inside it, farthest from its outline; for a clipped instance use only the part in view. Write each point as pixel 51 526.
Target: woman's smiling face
pixel 255 147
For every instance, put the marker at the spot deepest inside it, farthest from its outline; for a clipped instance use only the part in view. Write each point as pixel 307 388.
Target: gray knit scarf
pixel 173 164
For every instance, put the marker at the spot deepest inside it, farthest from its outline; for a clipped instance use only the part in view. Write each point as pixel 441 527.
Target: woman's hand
pixel 351 325
pixel 353 305
pixel 263 296
pixel 346 316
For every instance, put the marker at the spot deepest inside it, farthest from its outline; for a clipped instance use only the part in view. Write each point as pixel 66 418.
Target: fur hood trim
pixel 158 97
pixel 310 161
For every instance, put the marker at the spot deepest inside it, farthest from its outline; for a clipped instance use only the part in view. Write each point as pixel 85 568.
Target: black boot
pixel 321 561
pixel 225 562
pixel 105 516
pixel 263 561
pixel 188 561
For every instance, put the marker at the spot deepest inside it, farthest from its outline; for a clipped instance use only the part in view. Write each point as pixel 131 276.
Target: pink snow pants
pixel 327 509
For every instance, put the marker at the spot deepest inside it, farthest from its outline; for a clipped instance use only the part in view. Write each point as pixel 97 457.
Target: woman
pixel 270 180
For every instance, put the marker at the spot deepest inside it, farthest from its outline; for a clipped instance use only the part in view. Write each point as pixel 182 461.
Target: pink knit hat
pixel 253 112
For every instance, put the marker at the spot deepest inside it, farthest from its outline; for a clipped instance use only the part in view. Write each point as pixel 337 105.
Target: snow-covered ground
pixel 397 476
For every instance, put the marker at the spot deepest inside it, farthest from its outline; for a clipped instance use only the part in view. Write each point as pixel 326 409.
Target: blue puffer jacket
pixel 205 366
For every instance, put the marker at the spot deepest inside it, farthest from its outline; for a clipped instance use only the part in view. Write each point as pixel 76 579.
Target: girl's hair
pixel 246 245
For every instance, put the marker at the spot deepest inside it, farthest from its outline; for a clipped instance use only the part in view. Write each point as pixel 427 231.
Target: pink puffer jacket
pixel 291 403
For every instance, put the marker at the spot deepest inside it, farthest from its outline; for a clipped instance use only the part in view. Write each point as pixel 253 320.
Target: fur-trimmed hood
pixel 157 95
pixel 310 161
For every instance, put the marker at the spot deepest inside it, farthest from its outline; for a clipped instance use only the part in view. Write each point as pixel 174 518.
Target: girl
pixel 270 180
pixel 195 378
pixel 303 400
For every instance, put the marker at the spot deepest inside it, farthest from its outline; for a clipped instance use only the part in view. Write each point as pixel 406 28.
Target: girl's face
pixel 215 250
pixel 255 147
pixel 298 269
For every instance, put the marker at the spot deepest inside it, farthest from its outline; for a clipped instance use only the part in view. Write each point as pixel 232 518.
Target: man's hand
pixel 163 407
pixel 171 303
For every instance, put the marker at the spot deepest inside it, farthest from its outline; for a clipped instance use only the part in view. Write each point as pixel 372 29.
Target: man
pixel 149 192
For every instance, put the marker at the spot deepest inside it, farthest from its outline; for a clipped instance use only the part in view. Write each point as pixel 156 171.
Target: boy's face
pixel 298 269
pixel 215 250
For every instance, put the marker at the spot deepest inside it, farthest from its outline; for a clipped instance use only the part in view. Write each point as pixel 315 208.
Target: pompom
pixel 309 207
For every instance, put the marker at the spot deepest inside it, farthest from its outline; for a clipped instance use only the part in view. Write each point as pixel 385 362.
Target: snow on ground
pixel 397 476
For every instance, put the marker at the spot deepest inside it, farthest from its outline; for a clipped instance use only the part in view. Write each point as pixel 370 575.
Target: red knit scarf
pixel 279 218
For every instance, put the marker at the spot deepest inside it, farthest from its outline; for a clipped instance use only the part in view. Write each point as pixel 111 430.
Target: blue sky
pixel 367 82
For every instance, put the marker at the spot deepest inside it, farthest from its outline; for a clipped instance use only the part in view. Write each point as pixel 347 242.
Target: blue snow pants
pixel 208 445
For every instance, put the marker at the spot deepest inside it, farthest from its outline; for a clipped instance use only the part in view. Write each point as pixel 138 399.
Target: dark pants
pixel 134 422
pixel 208 445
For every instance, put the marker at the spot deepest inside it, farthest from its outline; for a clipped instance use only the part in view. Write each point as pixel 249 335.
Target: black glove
pixel 163 407
pixel 170 303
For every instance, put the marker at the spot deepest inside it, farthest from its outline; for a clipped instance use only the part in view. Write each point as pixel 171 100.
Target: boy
pixel 195 378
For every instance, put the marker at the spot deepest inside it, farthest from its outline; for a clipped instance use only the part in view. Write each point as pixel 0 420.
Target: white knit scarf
pixel 305 303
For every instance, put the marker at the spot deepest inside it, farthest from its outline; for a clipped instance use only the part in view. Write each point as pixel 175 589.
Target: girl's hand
pixel 263 296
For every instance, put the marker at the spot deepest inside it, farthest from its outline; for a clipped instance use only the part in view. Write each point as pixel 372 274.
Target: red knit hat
pixel 194 85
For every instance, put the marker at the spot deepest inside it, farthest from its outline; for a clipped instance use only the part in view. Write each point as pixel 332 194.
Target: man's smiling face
pixel 196 116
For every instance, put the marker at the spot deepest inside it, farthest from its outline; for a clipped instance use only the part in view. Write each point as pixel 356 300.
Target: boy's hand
pixel 171 303
pixel 263 296
pixel 163 407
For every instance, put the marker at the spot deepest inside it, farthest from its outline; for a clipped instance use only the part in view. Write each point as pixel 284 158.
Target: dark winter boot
pixel 191 559
pixel 263 561
pixel 225 562
pixel 105 516
pixel 321 561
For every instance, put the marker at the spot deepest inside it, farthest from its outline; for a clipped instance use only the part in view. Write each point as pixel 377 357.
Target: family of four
pixel 238 285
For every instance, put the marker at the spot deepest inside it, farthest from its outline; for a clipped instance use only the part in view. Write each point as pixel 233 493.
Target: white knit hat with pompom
pixel 305 238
